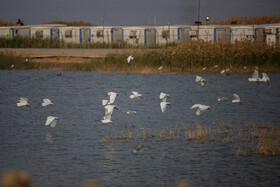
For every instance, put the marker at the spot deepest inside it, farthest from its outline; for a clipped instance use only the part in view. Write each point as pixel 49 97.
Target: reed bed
pixel 191 57
pixel 246 141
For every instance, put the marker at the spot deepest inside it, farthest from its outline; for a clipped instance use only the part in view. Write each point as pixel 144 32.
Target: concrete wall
pixel 147 35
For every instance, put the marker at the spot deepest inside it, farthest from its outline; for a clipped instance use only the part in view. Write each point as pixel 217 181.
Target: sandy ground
pixel 64 55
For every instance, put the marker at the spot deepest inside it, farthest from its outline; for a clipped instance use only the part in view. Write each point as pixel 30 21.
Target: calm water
pixel 71 153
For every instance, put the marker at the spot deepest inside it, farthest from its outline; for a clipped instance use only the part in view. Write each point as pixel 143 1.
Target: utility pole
pixel 198 19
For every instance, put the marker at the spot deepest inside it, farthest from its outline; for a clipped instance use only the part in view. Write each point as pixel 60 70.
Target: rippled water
pixel 71 153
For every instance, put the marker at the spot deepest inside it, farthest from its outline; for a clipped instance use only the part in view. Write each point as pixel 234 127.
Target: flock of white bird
pixel 51 120
pixel 109 104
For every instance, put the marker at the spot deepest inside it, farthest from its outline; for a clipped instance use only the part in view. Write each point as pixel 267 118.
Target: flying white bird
pixel 255 77
pixel 47 102
pixel 51 120
pixel 130 112
pixel 129 58
pixel 136 95
pixel 201 80
pixel 107 118
pixel 200 108
pixel 108 113
pixel 163 105
pixel 222 99
pixel 236 99
pixel 265 78
pixel 164 96
pixel 112 97
pixel 23 101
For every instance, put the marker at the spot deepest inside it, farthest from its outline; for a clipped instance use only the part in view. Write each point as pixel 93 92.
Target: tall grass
pixel 188 57
pixel 7 23
pixel 246 141
pixel 194 55
pixel 20 42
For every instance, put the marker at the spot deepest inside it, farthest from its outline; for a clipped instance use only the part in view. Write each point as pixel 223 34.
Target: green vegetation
pixel 241 57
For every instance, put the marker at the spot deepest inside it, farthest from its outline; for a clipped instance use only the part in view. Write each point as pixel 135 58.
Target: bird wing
pixel 112 97
pixel 53 123
pixel 107 116
pixel 236 97
pixel 255 75
pixel 265 77
pixel 50 120
pixel 162 95
pixel 105 102
pixel 198 78
pixel 199 111
pixel 23 99
pixel 196 106
pixel 46 102
pixel 163 106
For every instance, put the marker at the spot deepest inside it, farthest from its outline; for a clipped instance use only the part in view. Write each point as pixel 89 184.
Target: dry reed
pixel 246 141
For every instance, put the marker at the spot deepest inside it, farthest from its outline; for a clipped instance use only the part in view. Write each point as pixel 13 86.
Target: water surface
pixel 72 153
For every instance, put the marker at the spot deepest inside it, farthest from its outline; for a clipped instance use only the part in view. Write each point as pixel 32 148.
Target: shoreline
pixel 193 57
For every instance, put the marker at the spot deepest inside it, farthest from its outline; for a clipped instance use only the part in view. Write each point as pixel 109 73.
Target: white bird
pixel 163 105
pixel 216 66
pixel 23 101
pixel 47 102
pixel 200 108
pixel 51 120
pixel 136 95
pixel 112 97
pixel 12 66
pixel 160 68
pixel 129 58
pixel 130 112
pixel 222 99
pixel 224 71
pixel 236 99
pixel 265 78
pixel 203 69
pixel 255 77
pixel 201 80
pixel 107 118
pixel 164 96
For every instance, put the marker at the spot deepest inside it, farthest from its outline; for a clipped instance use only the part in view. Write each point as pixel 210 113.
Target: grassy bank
pixel 195 57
